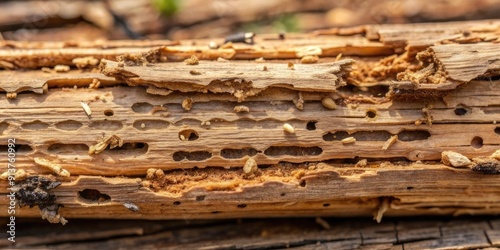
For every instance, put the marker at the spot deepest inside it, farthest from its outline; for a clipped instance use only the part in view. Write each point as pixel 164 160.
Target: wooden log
pixel 214 139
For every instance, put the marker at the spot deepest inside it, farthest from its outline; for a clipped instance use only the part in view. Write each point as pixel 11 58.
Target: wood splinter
pixel 113 141
pixel 56 168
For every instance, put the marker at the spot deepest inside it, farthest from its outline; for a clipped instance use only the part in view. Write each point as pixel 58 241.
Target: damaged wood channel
pixel 372 120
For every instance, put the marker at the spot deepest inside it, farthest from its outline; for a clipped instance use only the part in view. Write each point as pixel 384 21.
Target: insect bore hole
pixel 311 125
pixel 460 111
pixel 477 142
pixel 188 135
pixel 371 113
pixel 108 112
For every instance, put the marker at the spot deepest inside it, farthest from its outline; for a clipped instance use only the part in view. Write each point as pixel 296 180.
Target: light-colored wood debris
pixel 54 167
pixel 241 109
pixel 288 128
pixel 454 159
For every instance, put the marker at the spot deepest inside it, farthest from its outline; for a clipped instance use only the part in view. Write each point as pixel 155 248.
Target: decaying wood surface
pixel 296 233
pixel 144 134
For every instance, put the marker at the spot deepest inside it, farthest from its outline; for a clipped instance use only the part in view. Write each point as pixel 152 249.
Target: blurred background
pixel 186 19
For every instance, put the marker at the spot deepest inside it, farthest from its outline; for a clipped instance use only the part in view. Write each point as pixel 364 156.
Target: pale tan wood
pixel 447 66
pixel 173 159
pixel 241 79
pixel 39 82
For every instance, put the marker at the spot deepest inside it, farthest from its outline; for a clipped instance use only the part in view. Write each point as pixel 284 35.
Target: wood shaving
pixel 95 84
pixel 454 159
pixel 338 57
pixel 86 108
pixel 85 62
pixel 496 155
pixel 241 108
pixel 382 208
pixel 113 141
pixel 46 70
pixel 6 65
pixel 389 142
pixel 348 140
pixel 56 168
pixel 362 163
pixel 61 68
pixel 19 175
pixel 323 223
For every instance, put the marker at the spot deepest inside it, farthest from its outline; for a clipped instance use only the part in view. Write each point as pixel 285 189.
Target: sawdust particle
pixel 299 101
pixel 194 72
pixel 389 142
pixel 250 166
pixel 95 84
pixel 187 103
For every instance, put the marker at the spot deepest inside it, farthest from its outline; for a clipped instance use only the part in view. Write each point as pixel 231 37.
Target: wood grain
pixel 144 154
